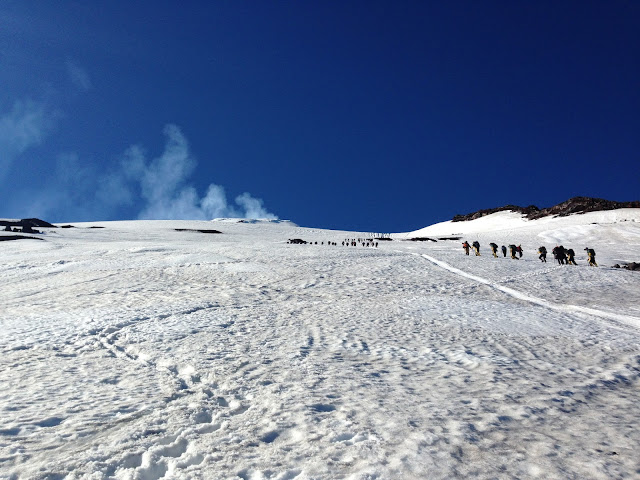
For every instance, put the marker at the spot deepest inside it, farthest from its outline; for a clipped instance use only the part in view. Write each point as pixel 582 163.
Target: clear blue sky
pixel 363 115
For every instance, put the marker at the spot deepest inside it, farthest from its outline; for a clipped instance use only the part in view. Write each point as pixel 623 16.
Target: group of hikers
pixel 566 256
pixel 354 242
pixel 348 242
pixel 562 255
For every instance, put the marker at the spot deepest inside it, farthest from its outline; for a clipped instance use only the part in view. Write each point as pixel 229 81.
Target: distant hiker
pixel 504 251
pixel 559 254
pixel 519 250
pixel 570 257
pixel 466 247
pixel 513 250
pixel 543 254
pixel 592 257
pixel 476 247
pixel 494 249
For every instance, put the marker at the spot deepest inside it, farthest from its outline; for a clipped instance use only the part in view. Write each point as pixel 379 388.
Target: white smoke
pixel 154 189
pixel 253 207
pixel 162 184
pixel 26 125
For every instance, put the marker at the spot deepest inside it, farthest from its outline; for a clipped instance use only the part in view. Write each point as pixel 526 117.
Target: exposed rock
pixel 26 223
pixel 629 266
pixel 195 230
pixel 582 205
pixel 6 238
pixel 531 209
pixel 571 206
pixel 36 222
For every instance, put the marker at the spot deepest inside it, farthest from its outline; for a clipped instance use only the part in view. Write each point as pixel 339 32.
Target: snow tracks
pixel 627 319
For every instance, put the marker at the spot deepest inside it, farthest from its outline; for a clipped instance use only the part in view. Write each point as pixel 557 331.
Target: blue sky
pixel 359 115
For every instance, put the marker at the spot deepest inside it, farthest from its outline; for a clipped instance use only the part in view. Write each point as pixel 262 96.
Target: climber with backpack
pixel 543 254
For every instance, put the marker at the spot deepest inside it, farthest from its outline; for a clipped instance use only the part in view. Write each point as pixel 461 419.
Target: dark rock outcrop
pixel 28 223
pixel 195 230
pixel 6 238
pixel 582 205
pixel 634 266
pixel 531 209
pixel 571 206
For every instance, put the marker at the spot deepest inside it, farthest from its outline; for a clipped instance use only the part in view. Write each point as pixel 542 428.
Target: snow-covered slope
pixel 136 351
pixel 614 234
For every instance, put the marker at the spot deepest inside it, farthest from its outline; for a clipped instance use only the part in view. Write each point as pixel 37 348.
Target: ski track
pixel 630 320
pixel 261 360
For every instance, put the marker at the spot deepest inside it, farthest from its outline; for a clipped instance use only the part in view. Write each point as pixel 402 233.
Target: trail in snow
pixel 629 320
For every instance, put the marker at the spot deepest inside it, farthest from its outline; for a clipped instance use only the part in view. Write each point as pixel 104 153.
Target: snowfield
pixel 135 351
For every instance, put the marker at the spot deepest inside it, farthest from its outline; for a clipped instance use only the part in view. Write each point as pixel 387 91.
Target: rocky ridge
pixel 574 205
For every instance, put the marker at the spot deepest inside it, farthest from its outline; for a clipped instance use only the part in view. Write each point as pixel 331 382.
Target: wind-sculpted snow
pixel 139 352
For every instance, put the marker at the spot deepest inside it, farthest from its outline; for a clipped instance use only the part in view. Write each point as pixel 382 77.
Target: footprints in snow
pixel 168 456
pixel 304 351
pixel 515 278
pixel 464 359
pixel 210 412
pixel 322 408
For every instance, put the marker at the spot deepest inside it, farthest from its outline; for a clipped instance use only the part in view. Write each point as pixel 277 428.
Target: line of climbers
pixel 354 242
pixel 566 256
pixel 561 254
pixel 348 242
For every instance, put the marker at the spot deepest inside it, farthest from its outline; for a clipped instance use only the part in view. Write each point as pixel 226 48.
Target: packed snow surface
pixel 136 351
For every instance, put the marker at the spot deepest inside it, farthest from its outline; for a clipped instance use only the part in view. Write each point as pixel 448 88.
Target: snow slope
pixel 138 352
